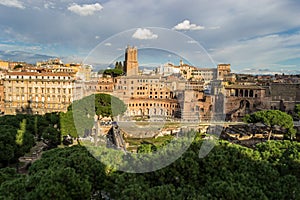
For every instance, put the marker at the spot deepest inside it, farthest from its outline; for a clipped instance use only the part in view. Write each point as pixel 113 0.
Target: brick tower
pixel 131 65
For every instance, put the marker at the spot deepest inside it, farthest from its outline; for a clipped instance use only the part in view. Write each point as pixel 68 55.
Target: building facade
pixel 37 93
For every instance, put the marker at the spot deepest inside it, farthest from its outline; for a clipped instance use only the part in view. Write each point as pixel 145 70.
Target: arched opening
pixel 251 93
pixel 140 112
pixel 236 92
pixel 246 93
pixel 282 107
pixel 241 93
pixel 245 104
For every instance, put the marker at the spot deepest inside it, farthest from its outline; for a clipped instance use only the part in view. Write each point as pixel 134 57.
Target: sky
pixel 253 36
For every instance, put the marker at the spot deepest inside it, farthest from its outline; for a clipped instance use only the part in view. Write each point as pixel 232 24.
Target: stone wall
pixel 284 96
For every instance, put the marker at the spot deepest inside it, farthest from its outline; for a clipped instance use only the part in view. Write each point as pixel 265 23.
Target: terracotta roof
pixel 244 87
pixel 39 74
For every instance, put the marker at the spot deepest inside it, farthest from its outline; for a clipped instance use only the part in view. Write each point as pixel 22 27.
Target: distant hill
pixel 23 56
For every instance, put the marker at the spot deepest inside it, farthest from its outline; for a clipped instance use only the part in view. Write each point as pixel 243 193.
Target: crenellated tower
pixel 131 65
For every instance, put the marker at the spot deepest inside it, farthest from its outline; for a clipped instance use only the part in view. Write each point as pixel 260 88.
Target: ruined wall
pixel 284 96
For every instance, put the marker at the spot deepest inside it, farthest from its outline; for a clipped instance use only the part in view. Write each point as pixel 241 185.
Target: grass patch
pixel 155 141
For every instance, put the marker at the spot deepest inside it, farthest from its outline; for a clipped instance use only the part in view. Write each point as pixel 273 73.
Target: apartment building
pixel 37 92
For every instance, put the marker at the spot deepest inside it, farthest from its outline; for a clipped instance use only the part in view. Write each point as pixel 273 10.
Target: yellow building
pixel 1 93
pixel 146 96
pixel 4 65
pixel 37 92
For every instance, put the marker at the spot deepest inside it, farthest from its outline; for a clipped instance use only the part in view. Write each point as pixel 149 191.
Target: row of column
pixel 244 93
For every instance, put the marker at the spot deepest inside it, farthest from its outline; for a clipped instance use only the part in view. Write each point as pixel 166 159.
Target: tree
pixel 13 189
pixel 297 110
pixel 18 66
pixel 7 144
pixel 113 72
pixel 60 183
pixel 67 124
pixel 51 136
pixel 146 148
pixel 107 105
pixel 119 65
pixel 270 118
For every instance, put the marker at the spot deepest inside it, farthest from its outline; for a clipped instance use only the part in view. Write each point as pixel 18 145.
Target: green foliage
pixel 62 183
pixel 146 148
pixel 67 124
pixel 8 145
pixel 51 136
pixel 80 115
pixel 18 66
pixel 113 72
pixel 7 174
pixel 104 104
pixel 272 118
pixel 20 132
pixel 229 171
pixel 69 173
pixel 14 189
pixel 119 65
pixel 297 110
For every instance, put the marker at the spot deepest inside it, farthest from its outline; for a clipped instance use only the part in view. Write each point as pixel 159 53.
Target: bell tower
pixel 131 64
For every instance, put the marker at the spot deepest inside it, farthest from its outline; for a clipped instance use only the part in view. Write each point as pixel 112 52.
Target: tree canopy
pixel 80 115
pixel 297 110
pixel 119 65
pixel 271 118
pixel 229 171
pixel 113 72
pixel 18 134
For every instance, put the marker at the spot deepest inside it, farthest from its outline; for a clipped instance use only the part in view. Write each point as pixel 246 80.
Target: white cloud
pixel 86 9
pixel 97 37
pixel 264 51
pixel 12 3
pixel 192 42
pixel 144 34
pixel 49 5
pixel 108 44
pixel 186 25
pixel 214 27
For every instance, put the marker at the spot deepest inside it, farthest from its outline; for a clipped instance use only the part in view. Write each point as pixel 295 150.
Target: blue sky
pixel 250 35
